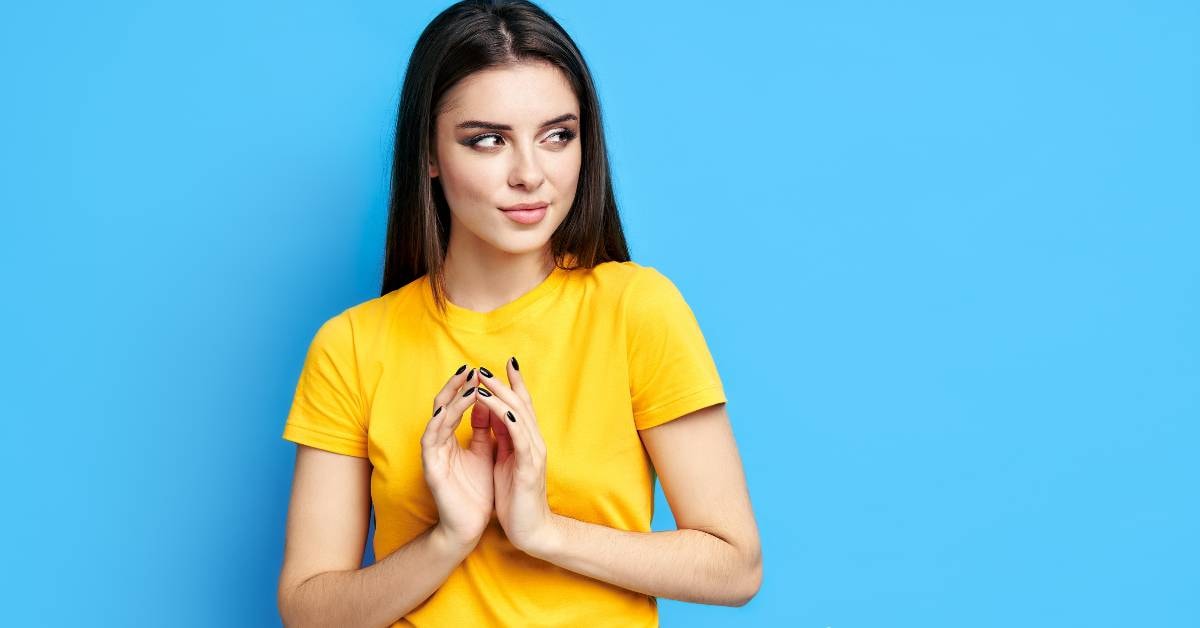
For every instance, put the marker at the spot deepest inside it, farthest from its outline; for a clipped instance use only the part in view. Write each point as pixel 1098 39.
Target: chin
pixel 522 247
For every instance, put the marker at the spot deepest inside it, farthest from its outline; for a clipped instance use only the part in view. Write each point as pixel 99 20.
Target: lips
pixel 526 216
pixel 526 213
pixel 522 206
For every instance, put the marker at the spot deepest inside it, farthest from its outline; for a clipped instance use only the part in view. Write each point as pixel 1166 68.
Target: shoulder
pixel 639 294
pixel 645 288
pixel 375 312
pixel 361 325
pixel 630 280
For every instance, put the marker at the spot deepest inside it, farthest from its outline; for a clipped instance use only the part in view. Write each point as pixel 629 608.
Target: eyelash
pixel 567 135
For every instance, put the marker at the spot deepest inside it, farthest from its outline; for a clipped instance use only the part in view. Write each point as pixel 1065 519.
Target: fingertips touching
pixel 502 410
pixel 458 378
pixel 455 410
pixel 455 382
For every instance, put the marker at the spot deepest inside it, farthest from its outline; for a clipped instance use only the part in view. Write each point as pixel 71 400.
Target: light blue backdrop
pixel 945 254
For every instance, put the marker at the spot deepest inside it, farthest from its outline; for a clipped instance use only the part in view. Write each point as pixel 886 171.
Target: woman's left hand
pixel 519 473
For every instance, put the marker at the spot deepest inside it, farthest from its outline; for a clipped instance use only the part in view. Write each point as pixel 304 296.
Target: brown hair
pixel 470 36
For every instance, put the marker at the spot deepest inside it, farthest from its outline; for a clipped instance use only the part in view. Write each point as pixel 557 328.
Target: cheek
pixel 565 173
pixel 468 182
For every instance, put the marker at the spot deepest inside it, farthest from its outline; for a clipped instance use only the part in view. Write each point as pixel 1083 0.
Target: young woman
pixel 508 292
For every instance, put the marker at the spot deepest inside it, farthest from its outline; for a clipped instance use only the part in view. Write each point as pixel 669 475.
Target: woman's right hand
pixel 459 478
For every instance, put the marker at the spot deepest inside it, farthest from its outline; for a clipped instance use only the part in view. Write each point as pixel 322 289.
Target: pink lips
pixel 527 213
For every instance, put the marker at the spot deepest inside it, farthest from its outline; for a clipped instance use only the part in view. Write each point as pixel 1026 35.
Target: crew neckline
pixel 463 318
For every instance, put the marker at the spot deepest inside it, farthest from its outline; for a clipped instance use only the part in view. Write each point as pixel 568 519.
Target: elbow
pixel 285 597
pixel 283 600
pixel 750 580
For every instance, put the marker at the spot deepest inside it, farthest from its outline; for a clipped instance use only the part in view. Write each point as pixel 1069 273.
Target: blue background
pixel 945 254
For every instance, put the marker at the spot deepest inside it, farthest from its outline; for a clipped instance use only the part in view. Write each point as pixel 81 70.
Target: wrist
pixel 549 540
pixel 450 543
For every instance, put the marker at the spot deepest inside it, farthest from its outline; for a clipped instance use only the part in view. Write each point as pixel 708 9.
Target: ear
pixel 433 169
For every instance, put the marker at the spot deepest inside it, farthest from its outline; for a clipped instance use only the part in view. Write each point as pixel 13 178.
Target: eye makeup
pixel 566 134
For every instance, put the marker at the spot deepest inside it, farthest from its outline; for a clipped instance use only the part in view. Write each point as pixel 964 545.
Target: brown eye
pixel 479 138
pixel 567 135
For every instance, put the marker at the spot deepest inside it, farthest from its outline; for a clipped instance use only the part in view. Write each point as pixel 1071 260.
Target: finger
pixel 497 386
pixel 481 423
pixel 505 393
pixel 518 407
pixel 449 392
pixel 452 386
pixel 502 410
pixel 504 444
pixel 431 427
pixel 456 409
pixel 480 418
pixel 517 381
pixel 517 429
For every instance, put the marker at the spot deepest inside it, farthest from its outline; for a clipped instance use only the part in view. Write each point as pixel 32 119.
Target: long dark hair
pixel 469 36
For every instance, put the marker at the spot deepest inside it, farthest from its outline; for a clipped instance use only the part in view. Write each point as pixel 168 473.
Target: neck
pixel 483 278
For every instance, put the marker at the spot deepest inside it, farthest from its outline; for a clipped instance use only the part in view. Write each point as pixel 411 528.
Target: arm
pixel 713 558
pixel 321 583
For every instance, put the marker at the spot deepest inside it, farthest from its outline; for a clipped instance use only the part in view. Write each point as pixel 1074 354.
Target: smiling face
pixel 508 136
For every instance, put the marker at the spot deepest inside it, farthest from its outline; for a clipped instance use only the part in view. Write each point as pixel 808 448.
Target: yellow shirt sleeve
pixel 671 371
pixel 327 410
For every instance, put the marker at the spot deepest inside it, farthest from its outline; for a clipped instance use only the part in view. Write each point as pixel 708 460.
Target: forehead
pixel 520 95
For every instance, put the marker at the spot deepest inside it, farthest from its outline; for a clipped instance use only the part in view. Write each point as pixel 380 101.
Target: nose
pixel 526 171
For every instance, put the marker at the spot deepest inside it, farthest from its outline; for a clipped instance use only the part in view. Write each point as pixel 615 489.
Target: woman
pixel 505 253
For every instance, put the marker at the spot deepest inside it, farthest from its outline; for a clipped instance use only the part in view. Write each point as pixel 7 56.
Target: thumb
pixel 481 429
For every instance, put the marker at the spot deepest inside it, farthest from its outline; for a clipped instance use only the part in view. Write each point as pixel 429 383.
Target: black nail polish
pixel 511 417
pixel 470 374
pixel 460 369
pixel 484 392
pixel 515 365
pixel 469 391
pixel 484 372
pixel 436 412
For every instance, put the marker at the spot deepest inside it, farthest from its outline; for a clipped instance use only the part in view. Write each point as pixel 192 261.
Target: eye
pixel 474 141
pixel 566 134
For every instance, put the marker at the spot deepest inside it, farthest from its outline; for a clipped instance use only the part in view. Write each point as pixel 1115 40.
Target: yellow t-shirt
pixel 604 353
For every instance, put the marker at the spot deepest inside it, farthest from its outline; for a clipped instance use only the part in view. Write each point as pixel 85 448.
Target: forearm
pixel 686 565
pixel 380 594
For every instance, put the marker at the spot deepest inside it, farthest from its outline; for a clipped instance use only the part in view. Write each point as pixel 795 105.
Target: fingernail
pixel 484 392
pixel 470 374
pixel 460 369
pixel 511 417
pixel 469 391
pixel 515 365
pixel 484 372
pixel 435 412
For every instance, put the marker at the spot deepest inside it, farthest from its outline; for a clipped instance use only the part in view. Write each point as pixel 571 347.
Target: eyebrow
pixel 482 124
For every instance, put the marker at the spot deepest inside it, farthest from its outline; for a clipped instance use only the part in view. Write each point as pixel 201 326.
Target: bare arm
pixel 714 558
pixel 321 582
pixel 686 565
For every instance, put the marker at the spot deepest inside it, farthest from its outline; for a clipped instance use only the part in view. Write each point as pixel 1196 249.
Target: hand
pixel 460 479
pixel 519 473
